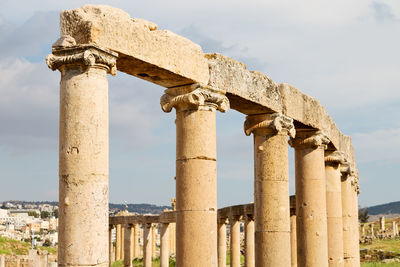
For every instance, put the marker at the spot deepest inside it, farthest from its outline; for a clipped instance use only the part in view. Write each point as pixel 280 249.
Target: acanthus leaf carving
pixel 275 122
pixel 87 55
pixel 199 98
pixel 310 139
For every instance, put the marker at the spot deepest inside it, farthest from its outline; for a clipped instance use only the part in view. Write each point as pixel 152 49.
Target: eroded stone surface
pixel 159 56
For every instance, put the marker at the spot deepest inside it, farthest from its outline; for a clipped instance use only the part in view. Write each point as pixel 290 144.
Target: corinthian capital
pixel 66 52
pixel 313 139
pixel 194 97
pixel 269 123
pixel 335 157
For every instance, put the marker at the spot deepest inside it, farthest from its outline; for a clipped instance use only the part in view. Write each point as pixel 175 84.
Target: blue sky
pixel 344 53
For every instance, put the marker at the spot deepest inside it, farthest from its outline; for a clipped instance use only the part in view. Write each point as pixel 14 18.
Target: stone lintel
pixel 159 56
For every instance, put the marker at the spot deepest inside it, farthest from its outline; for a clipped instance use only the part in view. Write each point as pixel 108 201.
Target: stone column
pixel 83 151
pixel 235 240
pixel 271 187
pixel 147 245
pixel 312 239
pixel 153 241
pixel 164 245
pixel 356 237
pixel 2 261
pixel 123 241
pixel 372 230
pixel 222 242
pixel 362 230
pixel 128 257
pixel 196 173
pixel 249 260
pixel 382 223
pixel 394 228
pixel 350 216
pixel 136 241
pixel 293 238
pixel 110 244
pixel 118 242
pixel 132 238
pixel 333 159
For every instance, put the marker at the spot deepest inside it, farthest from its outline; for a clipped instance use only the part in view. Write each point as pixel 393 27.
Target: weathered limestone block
pixel 249 92
pixel 159 56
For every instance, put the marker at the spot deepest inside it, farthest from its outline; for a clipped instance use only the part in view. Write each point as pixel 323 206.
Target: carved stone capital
pixel 194 97
pixel 354 184
pixel 335 157
pixel 346 169
pixel 66 52
pixel 310 139
pixel 264 124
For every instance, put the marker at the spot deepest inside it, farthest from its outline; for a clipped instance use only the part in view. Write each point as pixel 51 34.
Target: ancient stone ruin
pixel 320 228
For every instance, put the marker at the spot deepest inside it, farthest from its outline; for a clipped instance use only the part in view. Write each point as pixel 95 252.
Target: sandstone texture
pixel 159 56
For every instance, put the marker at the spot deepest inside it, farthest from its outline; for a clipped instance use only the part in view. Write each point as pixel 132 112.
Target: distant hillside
pixel 388 208
pixel 138 208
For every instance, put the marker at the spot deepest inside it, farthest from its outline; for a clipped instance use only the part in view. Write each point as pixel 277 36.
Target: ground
pixel 9 246
pixel 382 246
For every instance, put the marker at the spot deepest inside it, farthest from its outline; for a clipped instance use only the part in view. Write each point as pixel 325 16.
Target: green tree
pixel 33 213
pixel 363 215
pixel 55 213
pixel 45 214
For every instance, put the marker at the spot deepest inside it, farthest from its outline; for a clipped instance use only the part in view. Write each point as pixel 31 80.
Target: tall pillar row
pixel 271 187
pixel 83 151
pixel 333 160
pixel 196 194
pixel 312 239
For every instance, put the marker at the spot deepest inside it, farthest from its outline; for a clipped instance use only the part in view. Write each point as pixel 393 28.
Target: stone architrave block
pixel 159 56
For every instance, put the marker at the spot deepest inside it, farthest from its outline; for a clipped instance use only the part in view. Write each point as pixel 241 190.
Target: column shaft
pixel 153 241
pixel 350 229
pixel 235 241
pixel 123 241
pixel 293 239
pixel 83 153
pixel 271 187
pixel 222 243
pixel 147 245
pixel 127 246
pixel 136 247
pixel 164 245
pixel 118 242
pixel 312 240
pixel 196 187
pixel 249 260
pixel 110 244
pixel 334 209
